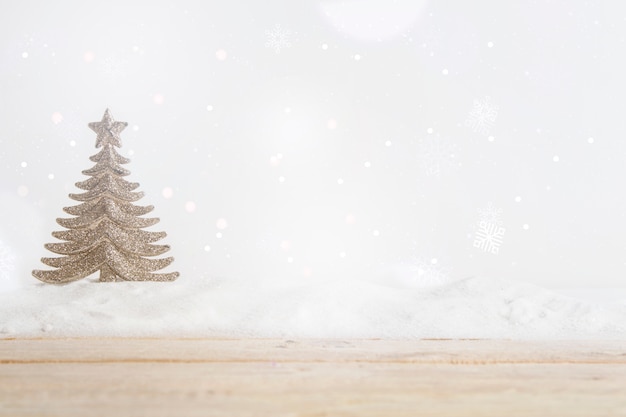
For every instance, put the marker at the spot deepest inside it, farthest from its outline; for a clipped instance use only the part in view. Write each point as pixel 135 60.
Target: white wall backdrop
pixel 312 140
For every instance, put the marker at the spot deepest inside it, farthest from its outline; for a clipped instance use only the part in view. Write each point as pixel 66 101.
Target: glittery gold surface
pixel 106 233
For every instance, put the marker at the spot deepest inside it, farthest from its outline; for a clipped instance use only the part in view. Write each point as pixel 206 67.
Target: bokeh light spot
pixel 221 224
pixel 56 118
pixel 221 55
pixel 167 192
pixel 158 99
pixel 190 206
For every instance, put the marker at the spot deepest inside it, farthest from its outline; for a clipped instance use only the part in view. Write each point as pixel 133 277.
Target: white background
pixel 315 153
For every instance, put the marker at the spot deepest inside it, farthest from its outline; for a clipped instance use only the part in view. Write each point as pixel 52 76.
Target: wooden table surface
pixel 271 377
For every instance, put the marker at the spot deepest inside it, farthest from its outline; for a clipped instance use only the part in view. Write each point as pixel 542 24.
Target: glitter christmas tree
pixel 106 233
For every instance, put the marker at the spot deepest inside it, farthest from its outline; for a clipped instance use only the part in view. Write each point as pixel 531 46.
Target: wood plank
pixel 269 377
pixel 367 350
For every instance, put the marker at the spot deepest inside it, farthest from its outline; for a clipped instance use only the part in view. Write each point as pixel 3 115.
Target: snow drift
pixel 349 308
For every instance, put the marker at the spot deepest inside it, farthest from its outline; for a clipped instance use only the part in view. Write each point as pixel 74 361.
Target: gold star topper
pixel 106 233
pixel 108 130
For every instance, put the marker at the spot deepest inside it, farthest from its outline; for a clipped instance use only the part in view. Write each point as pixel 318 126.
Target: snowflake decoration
pixel 430 273
pixel 489 237
pixel 278 38
pixel 483 116
pixel 437 156
pixel 7 261
pixel 490 233
pixel 490 214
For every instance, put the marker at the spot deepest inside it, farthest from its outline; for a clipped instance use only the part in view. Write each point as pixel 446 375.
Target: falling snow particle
pixel 491 138
pixel 274 160
pixel 135 128
pixel 218 235
pixel 556 158
pixel 590 140
pixel 387 143
pixel 50 176
pixel 357 57
pixel 281 179
pixel 340 181
pixel 518 199
pixel 23 164
pixel 324 46
pixel 342 254
pixel 367 164
pixel 209 108
pixel 489 44
pixel 482 116
pixel 430 130
pixel 332 124
pixel 526 227
pixel 190 206
pixel 444 71
pixel 375 233
pixel 277 38
pixel 207 248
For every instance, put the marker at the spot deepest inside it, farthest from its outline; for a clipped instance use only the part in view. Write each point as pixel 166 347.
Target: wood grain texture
pixel 269 377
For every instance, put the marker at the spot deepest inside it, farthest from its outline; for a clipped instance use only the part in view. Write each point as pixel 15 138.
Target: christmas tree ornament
pixel 106 235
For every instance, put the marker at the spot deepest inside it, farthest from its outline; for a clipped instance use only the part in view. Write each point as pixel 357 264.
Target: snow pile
pixel 384 308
